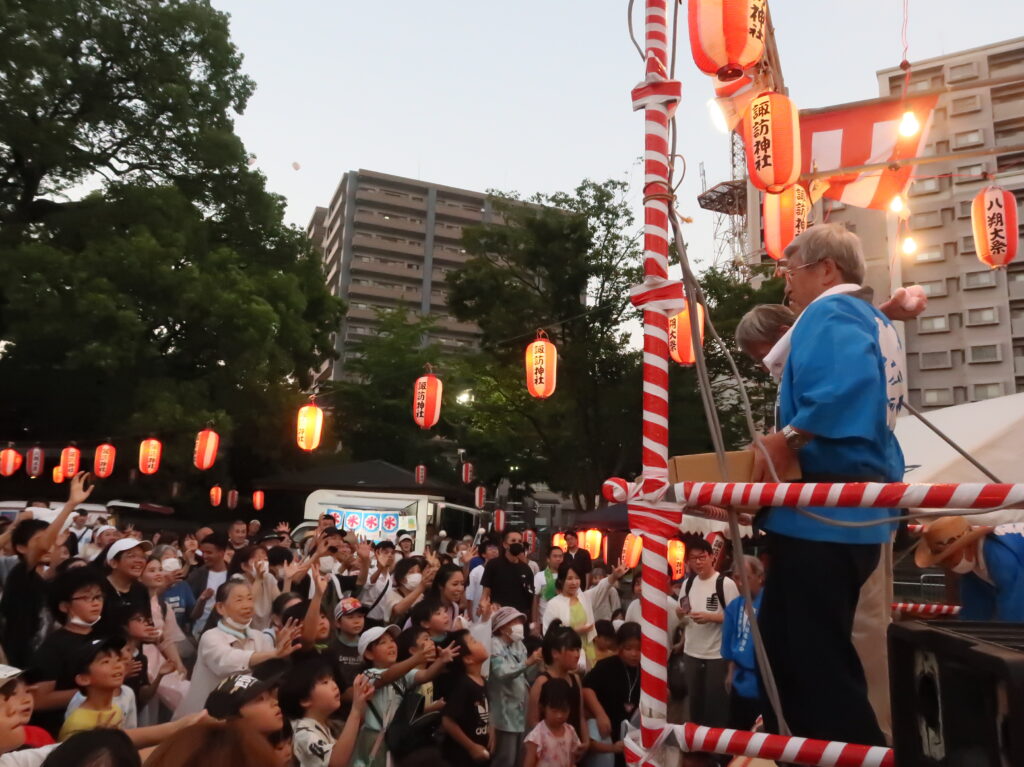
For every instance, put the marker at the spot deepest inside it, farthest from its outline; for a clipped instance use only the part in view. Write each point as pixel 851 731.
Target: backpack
pixel 719 589
pixel 409 729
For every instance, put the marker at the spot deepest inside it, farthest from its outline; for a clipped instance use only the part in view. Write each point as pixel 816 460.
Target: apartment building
pixel 388 242
pixel 969 344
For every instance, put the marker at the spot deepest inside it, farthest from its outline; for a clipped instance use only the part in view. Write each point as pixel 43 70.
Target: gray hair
pixel 830 242
pixel 753 564
pixel 763 324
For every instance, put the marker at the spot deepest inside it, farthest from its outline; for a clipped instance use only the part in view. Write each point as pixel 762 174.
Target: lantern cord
pixel 632 34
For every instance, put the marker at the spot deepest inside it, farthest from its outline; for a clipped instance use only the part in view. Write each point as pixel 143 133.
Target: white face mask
pixel 74 620
pixel 328 564
pixel 516 633
pixel 412 580
pixel 171 565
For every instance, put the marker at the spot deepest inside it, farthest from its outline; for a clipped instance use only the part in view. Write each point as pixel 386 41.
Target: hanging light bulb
pixel 897 204
pixel 717 116
pixel 909 245
pixel 909 125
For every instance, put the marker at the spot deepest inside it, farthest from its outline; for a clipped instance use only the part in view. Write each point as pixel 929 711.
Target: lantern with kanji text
pixel 592 542
pixel 103 460
pixel 232 498
pixel 467 473
pixel 541 367
pixel 309 426
pixel 70 458
pixel 726 36
pixel 785 216
pixel 421 474
pixel 771 135
pixel 480 496
pixel 205 453
pixel 10 460
pixel 150 450
pixel 216 494
pixel 58 473
pixel 680 340
pixel 632 548
pixel 426 400
pixel 35 462
pixel 257 500
pixel 994 222
pixel 676 559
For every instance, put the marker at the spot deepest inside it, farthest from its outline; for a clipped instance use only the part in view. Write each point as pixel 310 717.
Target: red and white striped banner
pixel 848 495
pixel 914 608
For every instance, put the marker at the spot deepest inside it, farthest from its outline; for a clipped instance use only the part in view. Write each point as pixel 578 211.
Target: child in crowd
pixel 281 603
pixel 554 742
pixel 416 639
pixel 349 621
pixel 508 686
pixel 604 642
pixel 24 703
pixel 100 672
pixel 252 700
pixel 466 718
pixel 139 631
pixel 432 614
pixel 561 651
pixel 282 742
pixel 611 691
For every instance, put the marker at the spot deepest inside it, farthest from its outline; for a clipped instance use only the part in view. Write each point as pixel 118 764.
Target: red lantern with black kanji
pixel 232 498
pixel 632 548
pixel 680 342
pixel 309 426
pixel 785 216
pixel 70 459
pixel 677 559
pixel 103 460
pixel 426 400
pixel 150 451
pixel 541 367
pixel 257 500
pixel 421 474
pixel 480 496
pixel 726 36
pixel 994 222
pixel 216 494
pixel 467 473
pixel 500 518
pixel 771 135
pixel 35 462
pixel 10 460
pixel 58 474
pixel 205 453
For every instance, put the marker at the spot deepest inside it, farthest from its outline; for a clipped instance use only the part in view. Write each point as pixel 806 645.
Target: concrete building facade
pixel 388 242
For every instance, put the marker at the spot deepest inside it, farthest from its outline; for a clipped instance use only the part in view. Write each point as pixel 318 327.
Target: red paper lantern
pixel 771 135
pixel 530 539
pixel 604 548
pixel 426 400
pixel 500 518
pixel 232 498
pixel 541 367
pixel 421 474
pixel 994 221
pixel 680 342
pixel 257 500
pixel 36 462
pixel 70 458
pixel 558 539
pixel 592 542
pixel 10 460
pixel 785 216
pixel 467 473
pixel 205 453
pixel 215 495
pixel 150 451
pixel 309 426
pixel 717 541
pixel 103 460
pixel 480 496
pixel 58 474
pixel 677 559
pixel 726 36
pixel 632 549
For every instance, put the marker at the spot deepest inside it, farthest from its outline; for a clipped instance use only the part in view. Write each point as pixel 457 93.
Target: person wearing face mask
pixel 177 596
pixel 989 560
pixel 76 601
pixel 508 685
pixel 507 581
pixel 410 583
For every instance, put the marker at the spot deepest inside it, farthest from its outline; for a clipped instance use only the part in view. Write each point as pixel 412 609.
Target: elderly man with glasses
pixel 841 386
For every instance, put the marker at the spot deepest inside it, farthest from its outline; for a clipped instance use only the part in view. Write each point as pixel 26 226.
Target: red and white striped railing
pixel 915 608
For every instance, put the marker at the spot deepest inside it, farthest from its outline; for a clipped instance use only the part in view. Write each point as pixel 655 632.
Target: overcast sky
pixel 531 95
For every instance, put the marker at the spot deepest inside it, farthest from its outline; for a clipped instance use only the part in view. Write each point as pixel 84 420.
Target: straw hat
pixel 945 537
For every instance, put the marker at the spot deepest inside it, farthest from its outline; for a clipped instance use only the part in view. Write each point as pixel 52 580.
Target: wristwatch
pixel 794 439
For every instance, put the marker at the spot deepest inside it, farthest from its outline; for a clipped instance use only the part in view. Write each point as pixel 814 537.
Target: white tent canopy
pixel 992 431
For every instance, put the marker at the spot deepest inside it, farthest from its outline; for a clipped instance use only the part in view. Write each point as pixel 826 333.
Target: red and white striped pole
pixel 916 608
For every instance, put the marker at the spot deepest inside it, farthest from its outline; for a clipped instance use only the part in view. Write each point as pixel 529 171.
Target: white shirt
pixel 382 610
pixel 474 590
pixel 213 581
pixel 30 757
pixel 704 640
pixel 633 614
pixel 312 743
pixel 219 656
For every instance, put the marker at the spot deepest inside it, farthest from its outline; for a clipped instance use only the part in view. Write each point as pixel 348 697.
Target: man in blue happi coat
pixel 841 389
pixel 990 561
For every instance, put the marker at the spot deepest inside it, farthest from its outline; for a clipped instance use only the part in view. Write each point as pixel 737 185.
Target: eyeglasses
pixel 786 269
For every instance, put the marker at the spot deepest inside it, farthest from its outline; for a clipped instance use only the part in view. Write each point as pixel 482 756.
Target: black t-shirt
pixel 466 705
pixel 23 607
pixel 141 679
pixel 511 584
pixel 581 563
pixel 56 661
pixel 617 687
pixel 347 662
pixel 113 601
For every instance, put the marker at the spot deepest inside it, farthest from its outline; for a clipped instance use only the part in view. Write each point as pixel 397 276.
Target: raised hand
pixel 286 637
pixel 449 653
pixel 364 550
pixel 78 492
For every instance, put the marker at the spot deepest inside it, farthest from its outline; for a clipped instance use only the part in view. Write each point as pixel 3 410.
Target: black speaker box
pixel 957 692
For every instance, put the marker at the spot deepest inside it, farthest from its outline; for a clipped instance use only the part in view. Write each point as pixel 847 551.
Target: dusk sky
pixel 533 95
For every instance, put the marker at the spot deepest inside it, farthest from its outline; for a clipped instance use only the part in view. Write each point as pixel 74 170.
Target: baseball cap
pixel 88 653
pixel 234 692
pixel 385 544
pixel 503 616
pixel 126 544
pixel 370 636
pixel 349 606
pixel 7 675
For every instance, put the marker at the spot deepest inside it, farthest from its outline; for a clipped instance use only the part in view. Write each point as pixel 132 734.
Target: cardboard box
pixel 703 467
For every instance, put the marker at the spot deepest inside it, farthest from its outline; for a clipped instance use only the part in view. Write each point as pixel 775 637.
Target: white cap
pixel 370 636
pixel 102 529
pixel 9 674
pixel 404 537
pixel 126 544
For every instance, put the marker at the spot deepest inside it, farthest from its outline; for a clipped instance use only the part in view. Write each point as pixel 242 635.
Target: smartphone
pixel 684 604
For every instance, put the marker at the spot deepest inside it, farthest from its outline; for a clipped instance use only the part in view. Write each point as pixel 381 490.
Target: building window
pixel 919 86
pixel 933 397
pixel 925 186
pixel 958 72
pixel 964 208
pixel 999 63
pixel 966 104
pixel 968 174
pixel 984 353
pixel 1009 131
pixel 967 244
pixel 935 360
pixel 968 138
pixel 988 390
pixel 926 220
pixel 987 316
pixel 979 280
pixel 1017 276
pixel 933 253
pixel 933 288
pixel 935 324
